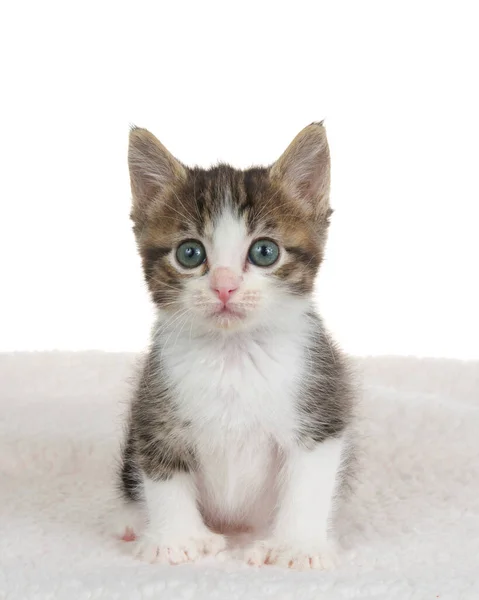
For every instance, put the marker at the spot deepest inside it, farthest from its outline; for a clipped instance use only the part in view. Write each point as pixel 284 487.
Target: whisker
pixel 165 343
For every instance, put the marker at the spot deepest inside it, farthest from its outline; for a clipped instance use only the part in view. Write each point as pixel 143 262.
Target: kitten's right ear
pixel 152 168
pixel 303 170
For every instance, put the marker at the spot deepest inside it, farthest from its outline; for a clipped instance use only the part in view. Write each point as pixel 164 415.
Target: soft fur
pixel 242 412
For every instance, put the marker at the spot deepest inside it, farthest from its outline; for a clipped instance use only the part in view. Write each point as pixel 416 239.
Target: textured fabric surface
pixel 411 530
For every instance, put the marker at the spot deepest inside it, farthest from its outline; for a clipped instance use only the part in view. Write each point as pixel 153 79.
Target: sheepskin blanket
pixel 411 531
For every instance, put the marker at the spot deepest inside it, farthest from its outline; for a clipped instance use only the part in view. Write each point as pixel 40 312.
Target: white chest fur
pixel 239 396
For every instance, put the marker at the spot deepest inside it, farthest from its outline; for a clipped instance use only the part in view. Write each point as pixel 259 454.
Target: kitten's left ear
pixel 303 170
pixel 153 170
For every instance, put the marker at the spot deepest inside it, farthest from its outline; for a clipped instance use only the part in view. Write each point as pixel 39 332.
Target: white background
pixel 396 81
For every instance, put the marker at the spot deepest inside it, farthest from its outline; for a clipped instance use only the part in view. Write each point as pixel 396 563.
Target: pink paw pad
pixel 129 535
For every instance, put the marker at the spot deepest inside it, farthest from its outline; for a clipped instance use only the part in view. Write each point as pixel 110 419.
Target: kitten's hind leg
pixel 130 480
pixel 130 519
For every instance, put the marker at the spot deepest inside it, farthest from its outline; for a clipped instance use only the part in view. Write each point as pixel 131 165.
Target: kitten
pixel 241 417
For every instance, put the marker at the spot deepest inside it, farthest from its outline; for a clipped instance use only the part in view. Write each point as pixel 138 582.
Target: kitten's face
pixel 224 249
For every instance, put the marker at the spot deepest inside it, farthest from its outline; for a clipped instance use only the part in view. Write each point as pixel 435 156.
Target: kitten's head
pixel 231 249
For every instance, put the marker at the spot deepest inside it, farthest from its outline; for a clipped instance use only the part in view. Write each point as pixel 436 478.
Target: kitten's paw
pixel 177 552
pixel 292 556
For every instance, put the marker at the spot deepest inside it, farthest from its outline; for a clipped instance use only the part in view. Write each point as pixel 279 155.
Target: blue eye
pixel 263 253
pixel 191 254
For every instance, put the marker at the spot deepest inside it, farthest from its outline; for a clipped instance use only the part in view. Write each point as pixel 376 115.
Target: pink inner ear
pixel 224 282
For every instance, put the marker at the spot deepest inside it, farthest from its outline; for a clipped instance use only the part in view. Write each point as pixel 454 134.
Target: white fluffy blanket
pixel 411 531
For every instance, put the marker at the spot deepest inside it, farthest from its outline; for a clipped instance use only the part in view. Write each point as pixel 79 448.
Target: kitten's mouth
pixel 229 311
pixel 226 313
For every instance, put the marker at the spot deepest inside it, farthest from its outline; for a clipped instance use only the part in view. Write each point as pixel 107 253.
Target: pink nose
pixel 224 282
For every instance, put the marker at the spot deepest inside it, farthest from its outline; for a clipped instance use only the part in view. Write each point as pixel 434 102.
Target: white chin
pixel 228 321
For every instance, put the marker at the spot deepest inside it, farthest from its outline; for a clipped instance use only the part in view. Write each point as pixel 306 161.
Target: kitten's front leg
pixel 299 538
pixel 175 532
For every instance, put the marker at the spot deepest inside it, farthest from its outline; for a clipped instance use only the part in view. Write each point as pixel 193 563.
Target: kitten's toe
pixel 176 555
pixel 177 552
pixel 257 554
pixel 292 556
pixel 147 549
pixel 213 543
